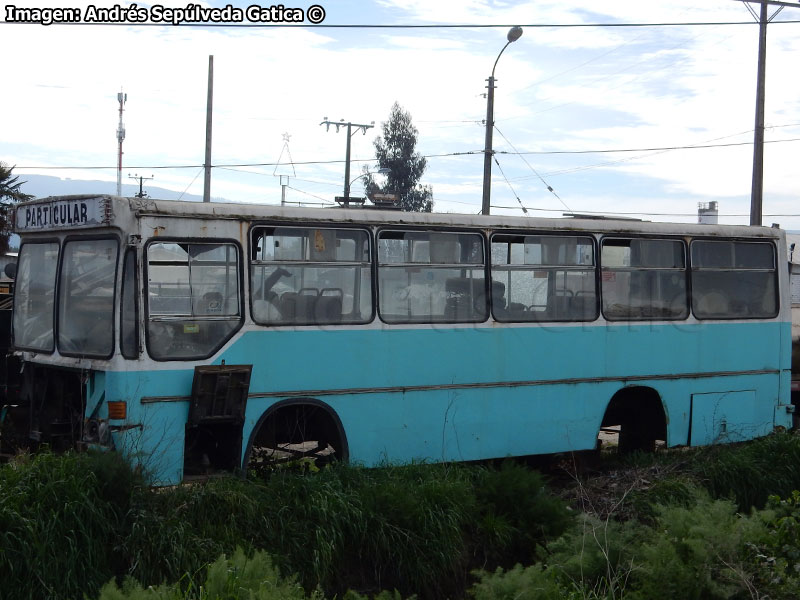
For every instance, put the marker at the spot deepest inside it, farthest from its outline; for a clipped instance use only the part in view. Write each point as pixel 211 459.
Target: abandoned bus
pixel 196 337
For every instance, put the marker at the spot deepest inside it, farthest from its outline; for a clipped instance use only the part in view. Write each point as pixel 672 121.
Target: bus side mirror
pixel 10 270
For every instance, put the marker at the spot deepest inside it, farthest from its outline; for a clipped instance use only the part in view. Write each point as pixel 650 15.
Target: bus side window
pixel 546 278
pixel 733 280
pixel 643 279
pixel 311 276
pixel 431 277
pixel 193 298
pixel 129 311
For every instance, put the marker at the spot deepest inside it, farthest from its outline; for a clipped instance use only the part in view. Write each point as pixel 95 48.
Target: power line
pixel 655 151
pixel 513 191
pixel 235 166
pixel 232 166
pixel 325 200
pixel 547 185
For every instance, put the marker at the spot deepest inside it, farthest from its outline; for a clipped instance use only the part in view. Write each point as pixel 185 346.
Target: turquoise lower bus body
pixel 462 394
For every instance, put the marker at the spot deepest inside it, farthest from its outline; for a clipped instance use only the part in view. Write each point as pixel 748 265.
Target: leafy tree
pixel 395 150
pixel 10 194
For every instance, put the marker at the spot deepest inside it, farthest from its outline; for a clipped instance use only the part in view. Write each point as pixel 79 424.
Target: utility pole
pixel 763 18
pixel 209 106
pixel 513 35
pixel 121 98
pixel 345 200
pixel 142 193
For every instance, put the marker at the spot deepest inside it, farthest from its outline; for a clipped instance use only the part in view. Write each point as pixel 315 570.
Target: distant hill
pixel 42 186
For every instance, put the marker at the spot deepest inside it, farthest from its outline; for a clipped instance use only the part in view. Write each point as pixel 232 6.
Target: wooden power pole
pixel 763 18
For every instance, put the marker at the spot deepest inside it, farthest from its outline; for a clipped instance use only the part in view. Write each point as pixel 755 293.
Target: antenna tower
pixel 121 98
pixel 286 137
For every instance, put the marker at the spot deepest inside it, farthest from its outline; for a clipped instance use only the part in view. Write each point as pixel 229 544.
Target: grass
pixel 61 521
pixel 70 523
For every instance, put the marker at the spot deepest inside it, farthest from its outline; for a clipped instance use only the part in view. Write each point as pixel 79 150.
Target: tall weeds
pixel 61 524
pixel 69 524
pixel 751 472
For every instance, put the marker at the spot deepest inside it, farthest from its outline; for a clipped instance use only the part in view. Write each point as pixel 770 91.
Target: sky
pixel 594 111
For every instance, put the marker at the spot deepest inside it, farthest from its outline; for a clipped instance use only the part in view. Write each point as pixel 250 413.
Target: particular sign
pixel 62 214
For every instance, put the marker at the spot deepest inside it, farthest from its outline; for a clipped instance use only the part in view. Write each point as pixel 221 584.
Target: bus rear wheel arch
pixel 297 433
pixel 638 413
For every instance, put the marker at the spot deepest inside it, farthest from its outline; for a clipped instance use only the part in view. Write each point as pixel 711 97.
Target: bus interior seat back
pixel 288 306
pixel 558 307
pixel 465 298
pixel 306 304
pixel 328 309
pixel 583 307
pixel 330 305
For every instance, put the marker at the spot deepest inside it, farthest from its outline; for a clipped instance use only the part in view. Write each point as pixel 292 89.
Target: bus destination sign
pixel 62 214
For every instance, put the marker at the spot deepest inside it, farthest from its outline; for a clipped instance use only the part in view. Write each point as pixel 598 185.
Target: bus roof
pixel 57 213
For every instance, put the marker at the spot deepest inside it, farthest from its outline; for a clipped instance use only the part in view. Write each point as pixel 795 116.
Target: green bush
pixel 677 490
pixel 522 583
pixel 516 514
pixel 234 578
pixel 697 552
pixel 777 559
pixel 700 552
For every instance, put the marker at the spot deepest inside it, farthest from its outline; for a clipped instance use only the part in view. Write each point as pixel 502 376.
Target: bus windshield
pixel 86 297
pixel 34 297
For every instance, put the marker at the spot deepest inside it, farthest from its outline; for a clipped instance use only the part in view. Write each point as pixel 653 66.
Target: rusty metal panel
pixel 219 394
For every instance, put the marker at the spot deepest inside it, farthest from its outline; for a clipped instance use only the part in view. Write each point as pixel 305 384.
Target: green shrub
pixel 776 559
pixel 697 552
pixel 234 578
pixel 676 490
pixel 530 583
pixel 516 514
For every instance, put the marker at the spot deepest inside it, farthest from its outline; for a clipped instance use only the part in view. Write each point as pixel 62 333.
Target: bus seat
pixel 265 311
pixel 558 307
pixel 465 299
pixel 328 309
pixel 305 307
pixel 288 306
pixel 583 307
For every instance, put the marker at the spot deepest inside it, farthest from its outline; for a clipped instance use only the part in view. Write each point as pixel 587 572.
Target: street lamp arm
pixel 381 171
pixel 498 57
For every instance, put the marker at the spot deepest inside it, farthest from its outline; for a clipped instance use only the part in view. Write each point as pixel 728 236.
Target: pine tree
pixel 395 150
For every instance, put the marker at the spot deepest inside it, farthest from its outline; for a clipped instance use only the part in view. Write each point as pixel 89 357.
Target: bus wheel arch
pixel 639 413
pixel 295 429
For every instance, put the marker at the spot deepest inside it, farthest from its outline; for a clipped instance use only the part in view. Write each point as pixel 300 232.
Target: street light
pixel 348 199
pixel 513 35
pixel 381 171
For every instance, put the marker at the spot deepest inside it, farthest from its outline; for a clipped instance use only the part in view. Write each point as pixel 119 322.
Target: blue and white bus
pixel 198 337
